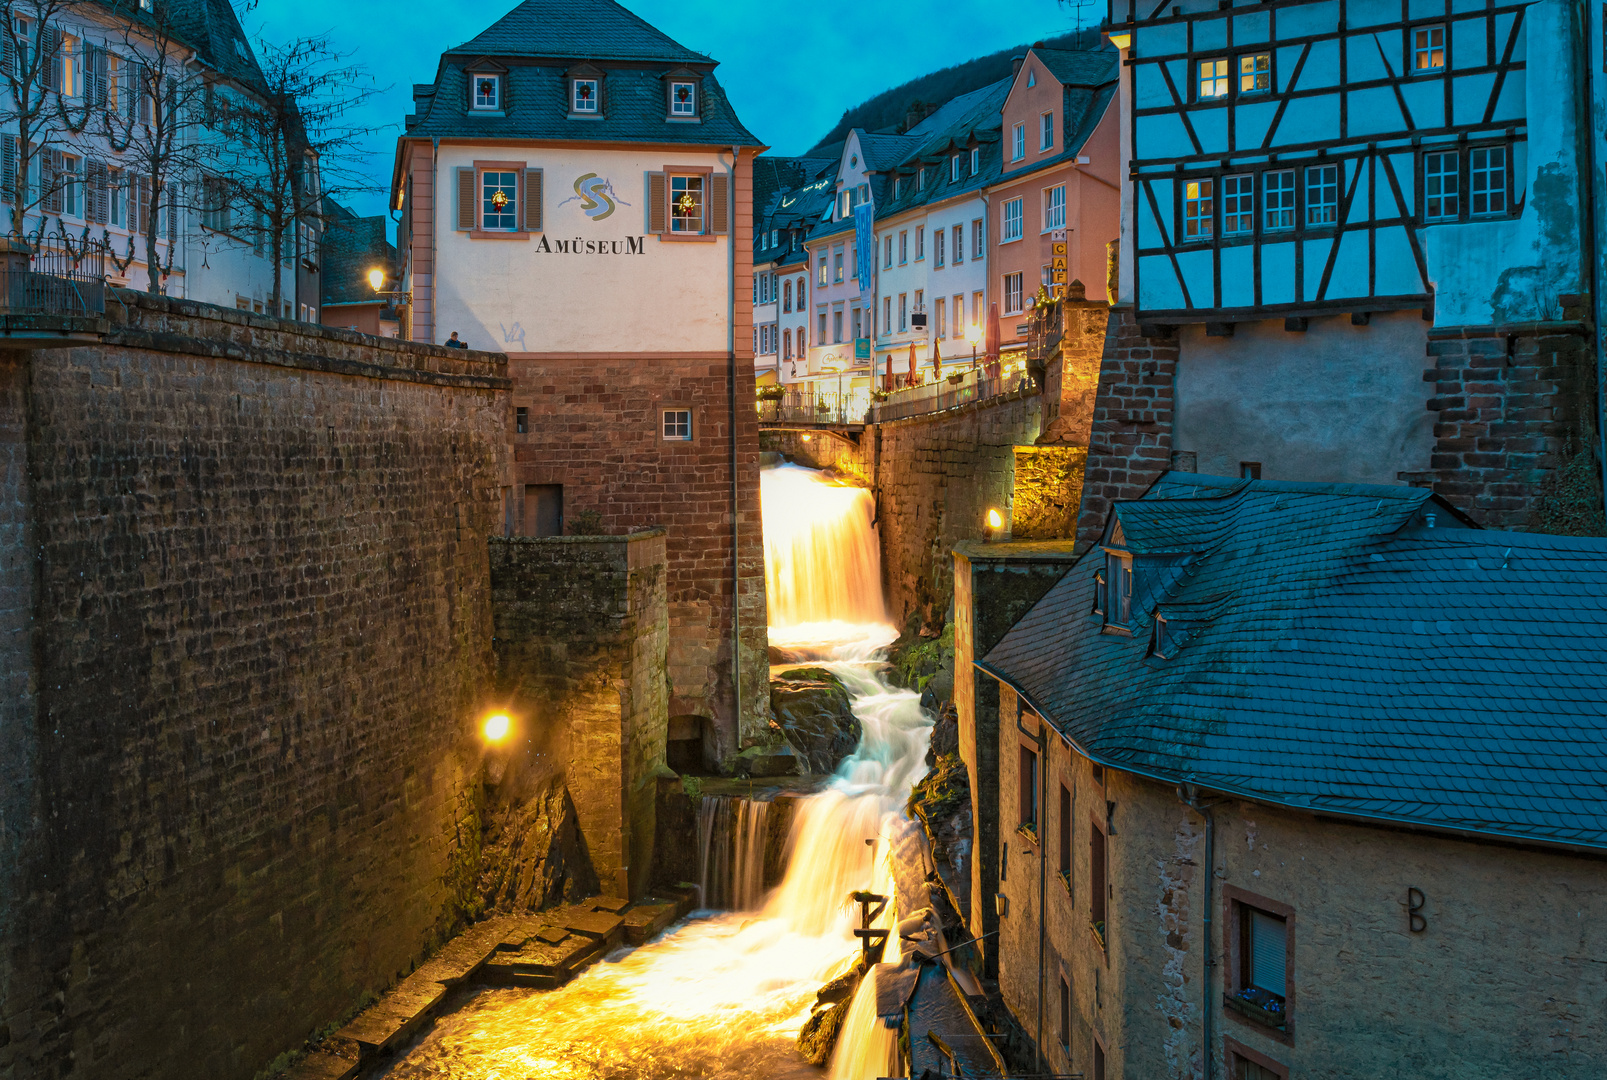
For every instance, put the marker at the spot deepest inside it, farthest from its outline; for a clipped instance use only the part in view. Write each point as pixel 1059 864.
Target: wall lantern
pixel 496 727
pixel 376 279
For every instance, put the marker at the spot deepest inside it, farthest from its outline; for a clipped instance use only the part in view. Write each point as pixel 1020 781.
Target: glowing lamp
pixel 806 437
pixel 1122 40
pixel 376 278
pixel 500 200
pixel 995 520
pixel 973 334
pixel 496 727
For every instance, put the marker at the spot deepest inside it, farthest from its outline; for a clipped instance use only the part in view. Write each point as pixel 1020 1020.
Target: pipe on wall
pixel 731 420
pixel 1040 739
pixel 1190 797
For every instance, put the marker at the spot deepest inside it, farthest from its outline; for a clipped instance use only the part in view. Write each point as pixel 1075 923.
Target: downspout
pixel 736 508
pixel 1587 129
pixel 1190 797
pixel 1041 740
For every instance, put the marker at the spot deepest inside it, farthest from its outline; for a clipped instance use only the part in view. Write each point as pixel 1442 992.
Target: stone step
pixel 608 903
pixel 646 921
pixel 597 924
pixel 319 1065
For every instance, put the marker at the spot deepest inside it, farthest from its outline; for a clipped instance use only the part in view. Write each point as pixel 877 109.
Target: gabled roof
pixel 211 28
pixel 882 152
pixel 1324 649
pixel 588 29
pixel 350 247
pixel 967 120
pixel 1081 67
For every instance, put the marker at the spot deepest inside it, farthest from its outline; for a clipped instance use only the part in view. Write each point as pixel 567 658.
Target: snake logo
pixel 596 195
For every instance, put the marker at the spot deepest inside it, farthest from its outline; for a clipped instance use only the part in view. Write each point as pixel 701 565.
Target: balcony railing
pixel 948 393
pixel 53 281
pixel 809 405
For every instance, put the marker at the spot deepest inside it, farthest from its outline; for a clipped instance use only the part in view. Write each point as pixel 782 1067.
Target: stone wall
pixel 253 554
pixel 582 629
pixel 595 428
pixel 1506 939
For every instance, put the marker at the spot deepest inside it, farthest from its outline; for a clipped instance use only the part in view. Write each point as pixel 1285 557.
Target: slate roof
pixel 1329 652
pixel 211 28
pixel 351 247
pixel 970 119
pixel 587 29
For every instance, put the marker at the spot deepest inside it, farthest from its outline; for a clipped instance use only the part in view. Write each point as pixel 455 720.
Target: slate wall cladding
pixel 1508 944
pixel 1510 410
pixel 261 632
pixel 595 427
pixel 582 631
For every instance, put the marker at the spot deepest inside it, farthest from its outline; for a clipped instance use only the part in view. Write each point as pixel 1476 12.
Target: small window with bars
pixel 1428 48
pixel 1213 84
pixel 1255 73
pixel 1442 186
pixel 1487 180
pixel 1278 200
pixel 1199 209
pixel 1238 205
pixel 1322 195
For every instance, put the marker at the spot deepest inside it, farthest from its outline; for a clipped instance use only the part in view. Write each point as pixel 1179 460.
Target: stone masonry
pixel 247 621
pixel 582 629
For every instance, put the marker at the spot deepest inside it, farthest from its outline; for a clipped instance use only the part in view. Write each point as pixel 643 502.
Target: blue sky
pixel 790 80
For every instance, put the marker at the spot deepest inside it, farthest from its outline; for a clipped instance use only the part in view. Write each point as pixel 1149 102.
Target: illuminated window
pixel 1322 195
pixel 1255 73
pixel 1213 80
pixel 1238 205
pixel 1428 48
pixel 823 269
pixel 683 99
pixel 1442 186
pixel 1487 180
pixel 1278 199
pixel 837 263
pixel 584 96
pixel 487 92
pixel 1199 209
pixel 686 204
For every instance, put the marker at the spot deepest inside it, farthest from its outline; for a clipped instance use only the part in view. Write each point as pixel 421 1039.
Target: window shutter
pixel 8 52
pixel 657 203
pixel 54 43
pixel 533 200
pixel 1269 952
pixel 465 199
pixel 719 204
pixel 8 166
pixel 95 192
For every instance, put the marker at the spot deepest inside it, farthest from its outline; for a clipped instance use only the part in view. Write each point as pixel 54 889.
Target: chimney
pixel 1015 64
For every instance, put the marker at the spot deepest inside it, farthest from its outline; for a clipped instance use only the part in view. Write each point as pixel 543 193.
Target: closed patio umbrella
pixel 937 361
pixel 912 363
pixel 993 340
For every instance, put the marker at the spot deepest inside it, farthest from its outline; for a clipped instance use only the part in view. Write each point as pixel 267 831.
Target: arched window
pixel 800 294
pixel 786 297
pixel 786 344
pixel 803 340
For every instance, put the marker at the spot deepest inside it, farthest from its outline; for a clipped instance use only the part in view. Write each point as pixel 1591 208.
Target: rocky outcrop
pixel 818 1036
pixel 533 854
pixel 812 711
pixel 942 802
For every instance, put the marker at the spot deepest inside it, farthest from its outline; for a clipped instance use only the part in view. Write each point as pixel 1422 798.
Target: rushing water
pixel 722 994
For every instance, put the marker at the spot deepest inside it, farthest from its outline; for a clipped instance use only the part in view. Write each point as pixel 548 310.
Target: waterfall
pixel 822 561
pixel 867 1048
pixel 732 833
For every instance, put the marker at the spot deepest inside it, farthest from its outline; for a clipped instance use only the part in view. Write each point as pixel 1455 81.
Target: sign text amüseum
pixel 631 245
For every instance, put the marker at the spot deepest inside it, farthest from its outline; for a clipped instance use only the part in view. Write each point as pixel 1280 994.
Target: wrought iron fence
pixel 56 281
pixel 805 404
pixel 948 393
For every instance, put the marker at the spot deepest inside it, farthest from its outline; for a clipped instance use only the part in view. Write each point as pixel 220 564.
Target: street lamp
pixel 376 279
pixel 973 334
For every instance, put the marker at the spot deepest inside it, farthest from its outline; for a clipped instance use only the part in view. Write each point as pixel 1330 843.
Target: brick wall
pixel 1130 444
pixel 582 626
pixel 1513 411
pixel 260 639
pixel 595 428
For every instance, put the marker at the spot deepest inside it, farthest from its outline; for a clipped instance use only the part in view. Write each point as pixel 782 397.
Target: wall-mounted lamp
pixel 496 727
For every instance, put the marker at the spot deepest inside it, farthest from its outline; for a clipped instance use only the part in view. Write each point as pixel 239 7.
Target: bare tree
pixel 299 143
pixel 36 65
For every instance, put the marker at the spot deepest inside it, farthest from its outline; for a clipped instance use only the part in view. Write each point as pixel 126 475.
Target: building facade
pixel 576 192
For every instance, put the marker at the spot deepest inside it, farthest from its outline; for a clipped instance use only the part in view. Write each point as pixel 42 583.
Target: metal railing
pixel 948 393
pixel 57 281
pixel 808 405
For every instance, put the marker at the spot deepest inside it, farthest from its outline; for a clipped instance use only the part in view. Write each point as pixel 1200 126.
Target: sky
pixel 790 81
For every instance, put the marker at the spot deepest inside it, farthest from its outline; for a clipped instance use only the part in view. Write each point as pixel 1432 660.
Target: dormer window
pixel 898 186
pixel 1113 584
pixel 920 179
pixel 487 92
pixel 954 168
pixel 683 99
pixel 584 96
pixel 976 159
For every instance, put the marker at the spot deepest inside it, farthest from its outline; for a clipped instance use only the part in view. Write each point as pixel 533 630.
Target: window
pixel 1046 133
pixel 1442 186
pixel 1264 953
pixel 686 204
pixel 1199 209
pixel 820 330
pixel 976 308
pixel 1065 1015
pixel 837 327
pixel 1054 208
pixel 959 315
pixel 786 344
pixel 823 270
pixel 1487 179
pixel 1322 195
pixel 800 293
pixel 214 204
pixel 1012 294
pixel 864 194
pixel 938 238
pixel 857 322
pixel 1238 205
pixel 499 201
pixel 1099 1062
pixel 1065 835
pixel 1255 73
pixel 1278 199
pixel 1428 48
pixel 1018 142
pixel 521 421
pixel 786 296
pixel 954 168
pixel 1114 593
pixel 903 247
pixel 683 99
pixel 845 205
pixel 903 312
pixel 69 81
pixel 837 263
pixel 1213 80
pixel 887 314
pixel 959 243
pixel 920 178
pixel 1027 782
pixel 938 313
pixel 803 341
pixel 115 205
pixel 1245 1069
pixel 1098 890
pixel 487 92
pixel 976 159
pixel 920 307
pixel 583 98
pixel 920 242
pixel 1249 470
pixel 678 425
pixel 977 236
pixel 887 254
pixel 1012 222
